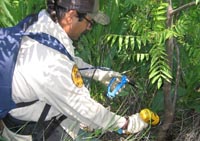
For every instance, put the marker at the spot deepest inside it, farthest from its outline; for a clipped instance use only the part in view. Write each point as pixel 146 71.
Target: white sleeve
pixel 103 75
pixel 64 91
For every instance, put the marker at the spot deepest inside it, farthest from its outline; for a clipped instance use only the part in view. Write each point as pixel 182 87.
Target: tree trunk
pixel 168 103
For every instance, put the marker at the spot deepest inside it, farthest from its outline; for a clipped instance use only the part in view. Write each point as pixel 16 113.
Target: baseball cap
pixel 91 7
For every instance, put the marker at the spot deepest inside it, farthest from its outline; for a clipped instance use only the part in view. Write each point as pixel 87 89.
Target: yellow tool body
pixel 149 117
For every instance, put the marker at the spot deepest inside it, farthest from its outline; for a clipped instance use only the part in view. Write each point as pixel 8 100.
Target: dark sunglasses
pixel 89 21
pixel 83 16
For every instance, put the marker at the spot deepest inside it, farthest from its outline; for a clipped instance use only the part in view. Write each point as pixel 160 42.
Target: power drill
pixel 149 117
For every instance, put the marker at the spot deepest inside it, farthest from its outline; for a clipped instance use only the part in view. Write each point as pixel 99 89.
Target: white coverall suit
pixel 44 74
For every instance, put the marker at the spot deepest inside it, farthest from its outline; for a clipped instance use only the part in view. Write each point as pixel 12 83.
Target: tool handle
pixel 113 93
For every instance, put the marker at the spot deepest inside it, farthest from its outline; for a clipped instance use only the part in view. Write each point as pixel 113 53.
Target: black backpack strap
pixel 38 131
pixel 24 104
pixel 53 125
pixel 43 131
pixel 27 127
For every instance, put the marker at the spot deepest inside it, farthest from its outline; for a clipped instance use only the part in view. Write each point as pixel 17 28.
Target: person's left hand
pixel 136 124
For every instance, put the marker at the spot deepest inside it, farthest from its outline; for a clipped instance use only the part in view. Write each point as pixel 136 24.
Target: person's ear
pixel 69 16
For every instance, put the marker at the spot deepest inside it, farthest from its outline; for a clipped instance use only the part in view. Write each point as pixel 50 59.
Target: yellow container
pixel 149 117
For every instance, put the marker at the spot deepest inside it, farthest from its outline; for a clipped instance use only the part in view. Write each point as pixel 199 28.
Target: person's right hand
pixel 106 76
pixel 110 79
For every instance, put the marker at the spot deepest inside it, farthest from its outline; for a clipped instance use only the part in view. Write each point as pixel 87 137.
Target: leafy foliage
pixel 189 29
pixel 13 11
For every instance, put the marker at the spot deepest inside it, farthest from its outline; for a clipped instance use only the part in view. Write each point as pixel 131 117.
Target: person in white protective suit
pixel 44 74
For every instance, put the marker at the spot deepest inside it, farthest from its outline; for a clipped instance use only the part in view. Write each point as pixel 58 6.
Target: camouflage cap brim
pixel 100 18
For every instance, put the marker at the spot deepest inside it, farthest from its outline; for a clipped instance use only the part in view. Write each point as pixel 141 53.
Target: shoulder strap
pixel 10 39
pixel 51 42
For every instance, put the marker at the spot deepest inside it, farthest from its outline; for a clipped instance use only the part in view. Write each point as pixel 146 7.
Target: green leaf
pixel 120 42
pixel 161 18
pixel 153 74
pixel 126 42
pixel 132 42
pixel 154 79
pixel 159 84
pixel 113 40
pixel 161 12
pixel 167 74
pixel 163 6
pixel 138 40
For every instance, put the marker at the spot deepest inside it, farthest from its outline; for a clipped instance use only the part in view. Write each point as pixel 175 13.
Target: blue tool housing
pixel 113 93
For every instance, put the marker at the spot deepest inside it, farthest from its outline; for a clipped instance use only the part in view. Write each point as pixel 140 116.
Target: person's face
pixel 73 26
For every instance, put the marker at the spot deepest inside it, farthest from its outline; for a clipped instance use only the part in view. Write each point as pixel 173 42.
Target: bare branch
pixel 183 7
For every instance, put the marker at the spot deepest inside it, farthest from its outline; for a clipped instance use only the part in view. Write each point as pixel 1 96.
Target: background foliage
pixel 135 43
pixel 12 11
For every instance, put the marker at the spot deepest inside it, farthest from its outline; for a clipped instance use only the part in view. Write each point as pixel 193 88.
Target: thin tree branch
pixel 182 7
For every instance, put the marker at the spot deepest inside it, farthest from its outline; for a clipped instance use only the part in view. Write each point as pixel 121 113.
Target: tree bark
pixel 168 104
